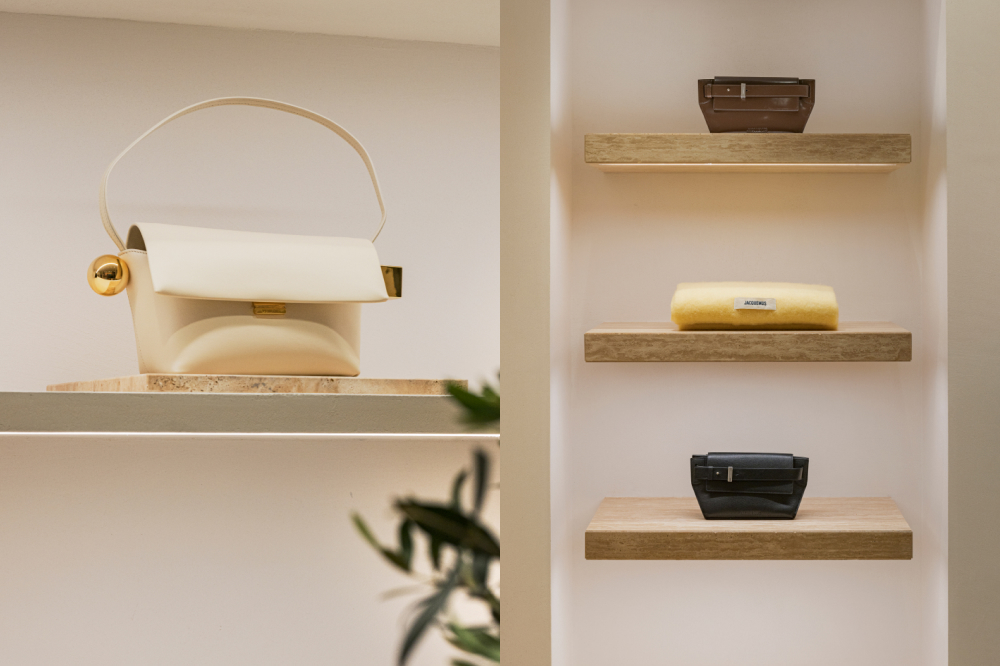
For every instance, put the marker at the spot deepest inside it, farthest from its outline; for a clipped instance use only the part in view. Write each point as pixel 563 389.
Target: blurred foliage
pixel 480 408
pixel 460 548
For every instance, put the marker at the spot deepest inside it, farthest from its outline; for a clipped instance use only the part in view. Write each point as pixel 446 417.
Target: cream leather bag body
pixel 208 301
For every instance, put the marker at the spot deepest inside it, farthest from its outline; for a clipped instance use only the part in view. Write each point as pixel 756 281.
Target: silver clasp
pixel 743 95
pixel 730 479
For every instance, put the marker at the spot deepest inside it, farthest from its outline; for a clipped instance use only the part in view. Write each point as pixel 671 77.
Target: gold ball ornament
pixel 108 275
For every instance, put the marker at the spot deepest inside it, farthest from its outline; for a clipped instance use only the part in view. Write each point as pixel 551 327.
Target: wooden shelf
pixel 739 152
pixel 672 528
pixel 637 342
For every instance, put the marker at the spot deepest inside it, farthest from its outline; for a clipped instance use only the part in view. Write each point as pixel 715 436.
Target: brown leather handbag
pixel 756 104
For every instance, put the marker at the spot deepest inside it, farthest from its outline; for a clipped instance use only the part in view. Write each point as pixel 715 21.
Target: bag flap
pixel 192 262
pixel 761 80
pixel 751 461
pixel 756 104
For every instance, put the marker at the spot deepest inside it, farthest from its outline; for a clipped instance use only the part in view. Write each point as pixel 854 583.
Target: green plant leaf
pixel 456 490
pixel 482 478
pixel 429 610
pixel 475 547
pixel 398 559
pixel 406 543
pixel 475 640
pixel 474 575
pixel 435 552
pixel 480 569
pixel 479 409
pixel 489 394
pixel 486 595
pixel 450 526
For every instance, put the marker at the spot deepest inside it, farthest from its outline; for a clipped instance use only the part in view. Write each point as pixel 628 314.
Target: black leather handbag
pixel 749 485
pixel 756 104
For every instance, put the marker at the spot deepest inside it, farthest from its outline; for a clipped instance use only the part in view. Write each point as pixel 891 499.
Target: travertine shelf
pixel 161 383
pixel 638 342
pixel 741 152
pixel 672 528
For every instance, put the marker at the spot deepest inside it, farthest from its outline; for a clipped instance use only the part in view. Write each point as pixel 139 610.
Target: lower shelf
pixel 672 528
pixel 662 341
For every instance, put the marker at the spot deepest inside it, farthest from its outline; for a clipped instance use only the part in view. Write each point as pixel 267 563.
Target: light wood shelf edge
pixel 737 152
pixel 747 168
pixel 673 528
pixel 662 342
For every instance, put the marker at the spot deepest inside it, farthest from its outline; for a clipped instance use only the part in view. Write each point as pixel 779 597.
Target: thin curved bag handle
pixel 245 101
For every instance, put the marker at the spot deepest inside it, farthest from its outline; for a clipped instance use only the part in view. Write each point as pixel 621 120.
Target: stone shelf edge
pixel 230 413
pixel 164 383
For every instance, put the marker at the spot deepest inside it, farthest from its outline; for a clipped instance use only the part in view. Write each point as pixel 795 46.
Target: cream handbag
pixel 208 301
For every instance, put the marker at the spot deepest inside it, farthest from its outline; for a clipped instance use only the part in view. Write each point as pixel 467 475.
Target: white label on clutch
pixel 756 304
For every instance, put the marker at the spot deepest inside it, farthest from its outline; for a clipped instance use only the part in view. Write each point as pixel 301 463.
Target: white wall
pixel 869 429
pixel 194 551
pixel 76 92
pixel 208 550
pixel 934 271
pixel 564 532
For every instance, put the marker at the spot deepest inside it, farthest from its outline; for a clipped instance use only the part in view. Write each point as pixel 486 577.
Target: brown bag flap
pixel 736 90
pixel 756 104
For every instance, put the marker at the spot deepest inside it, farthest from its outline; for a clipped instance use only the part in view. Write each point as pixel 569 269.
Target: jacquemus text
pixel 755 304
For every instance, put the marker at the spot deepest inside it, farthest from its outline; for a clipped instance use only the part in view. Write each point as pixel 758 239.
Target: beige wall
pixel 973 320
pixel 869 429
pixel 212 549
pixel 524 339
pixel 564 535
pixel 199 550
pixel 934 321
pixel 77 91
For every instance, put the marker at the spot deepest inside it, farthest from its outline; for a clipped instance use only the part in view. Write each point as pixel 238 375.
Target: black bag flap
pixel 776 475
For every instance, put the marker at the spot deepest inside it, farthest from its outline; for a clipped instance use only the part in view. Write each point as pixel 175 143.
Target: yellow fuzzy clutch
pixel 753 305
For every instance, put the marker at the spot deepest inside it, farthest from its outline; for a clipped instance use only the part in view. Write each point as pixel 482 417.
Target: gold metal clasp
pixel 393 276
pixel 108 275
pixel 269 310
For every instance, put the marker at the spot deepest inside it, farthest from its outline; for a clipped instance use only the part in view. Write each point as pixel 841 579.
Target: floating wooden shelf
pixel 632 342
pixel 740 152
pixel 672 528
